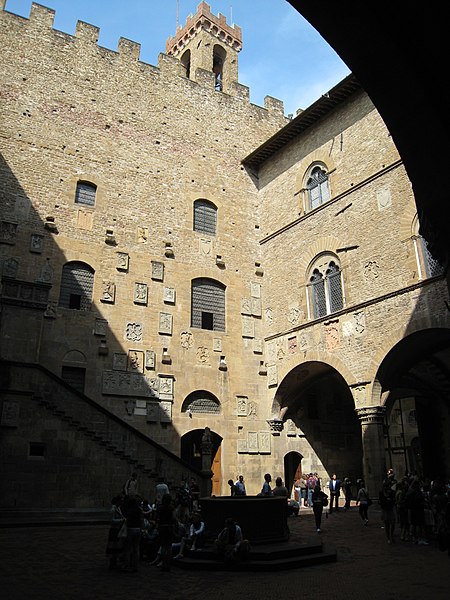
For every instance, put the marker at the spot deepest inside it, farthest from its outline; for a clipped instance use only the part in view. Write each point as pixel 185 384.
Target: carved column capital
pixel 276 426
pixel 371 415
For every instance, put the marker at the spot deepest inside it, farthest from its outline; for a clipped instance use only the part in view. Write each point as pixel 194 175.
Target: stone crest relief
pixel 241 403
pixel 108 292
pixel 186 339
pixel 169 295
pixel 246 306
pixel 294 315
pixel 100 327
pixel 10 268
pixel 371 270
pixel 292 344
pixel 133 332
pixel 157 270
pixel 165 323
pixel 255 290
pixel 140 293
pixel 150 359
pixel 36 243
pixel 203 355
pixel 248 327
pixel 8 232
pixel 264 442
pixel 272 375
pixel 123 261
pixel 120 361
pixel 205 247
pixel 332 336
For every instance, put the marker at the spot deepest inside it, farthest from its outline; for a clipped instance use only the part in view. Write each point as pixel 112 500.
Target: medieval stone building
pixel 175 258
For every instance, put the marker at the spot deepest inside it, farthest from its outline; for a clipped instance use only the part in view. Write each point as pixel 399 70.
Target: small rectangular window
pixel 85 194
pixel 75 301
pixel 36 450
pixel 207 320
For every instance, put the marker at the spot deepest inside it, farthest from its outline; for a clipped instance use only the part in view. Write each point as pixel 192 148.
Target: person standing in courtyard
pixel 131 486
pixel 319 500
pixel 266 489
pixel 335 491
pixel 363 500
pixel 347 492
pixel 280 489
pixel 387 504
pixel 240 486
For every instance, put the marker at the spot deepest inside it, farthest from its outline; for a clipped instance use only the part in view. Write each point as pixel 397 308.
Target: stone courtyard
pixel 68 562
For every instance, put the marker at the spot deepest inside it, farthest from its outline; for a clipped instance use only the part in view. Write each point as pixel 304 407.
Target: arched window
pixel 85 193
pixel 325 286
pixel 208 304
pixel 77 283
pixel 219 57
pixel 201 402
pixel 317 187
pixel 186 62
pixel 205 217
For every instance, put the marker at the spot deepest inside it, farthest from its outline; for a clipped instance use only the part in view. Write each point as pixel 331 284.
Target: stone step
pixel 15 517
pixel 274 560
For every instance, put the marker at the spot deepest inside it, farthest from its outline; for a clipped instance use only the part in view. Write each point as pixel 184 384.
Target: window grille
pixel 334 287
pixel 318 294
pixel 205 217
pixel 208 305
pixel 77 283
pixel 433 267
pixel 85 193
pixel 318 189
pixel 208 406
pixel 326 289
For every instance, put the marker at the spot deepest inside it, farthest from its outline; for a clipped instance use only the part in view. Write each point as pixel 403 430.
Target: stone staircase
pixel 114 444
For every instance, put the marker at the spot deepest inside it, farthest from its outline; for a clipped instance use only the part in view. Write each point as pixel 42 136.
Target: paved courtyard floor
pixel 68 562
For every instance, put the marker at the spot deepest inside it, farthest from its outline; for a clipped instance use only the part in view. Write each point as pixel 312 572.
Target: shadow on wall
pixel 61 448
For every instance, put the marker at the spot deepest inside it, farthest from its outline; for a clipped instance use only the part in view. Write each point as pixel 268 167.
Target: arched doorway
pixel 292 469
pixel 191 453
pixel 318 400
pixel 415 382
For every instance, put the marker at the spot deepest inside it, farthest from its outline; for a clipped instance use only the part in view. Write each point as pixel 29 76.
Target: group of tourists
pixel 143 530
pixel 164 530
pixel 420 509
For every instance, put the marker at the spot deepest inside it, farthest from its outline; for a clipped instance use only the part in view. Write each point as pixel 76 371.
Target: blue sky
pixel 282 55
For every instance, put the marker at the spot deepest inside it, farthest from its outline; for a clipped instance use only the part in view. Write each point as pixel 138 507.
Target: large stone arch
pixel 412 390
pixel 315 398
pixel 396 336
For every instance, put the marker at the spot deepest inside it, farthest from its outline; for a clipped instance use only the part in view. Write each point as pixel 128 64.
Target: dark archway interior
pixel 415 379
pixel 191 447
pixel 317 399
pixel 292 469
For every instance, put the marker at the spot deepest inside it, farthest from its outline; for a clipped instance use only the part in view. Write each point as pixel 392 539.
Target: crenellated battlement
pixel 206 20
pixel 39 26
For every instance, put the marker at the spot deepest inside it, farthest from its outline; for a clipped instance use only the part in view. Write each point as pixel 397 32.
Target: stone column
pixel 374 468
pixel 206 450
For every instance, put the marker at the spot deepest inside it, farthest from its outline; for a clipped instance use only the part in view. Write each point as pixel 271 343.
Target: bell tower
pixel 207 42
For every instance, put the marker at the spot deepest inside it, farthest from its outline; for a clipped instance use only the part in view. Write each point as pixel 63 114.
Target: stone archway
pixel 316 397
pixel 414 378
pixel 292 469
pixel 191 454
